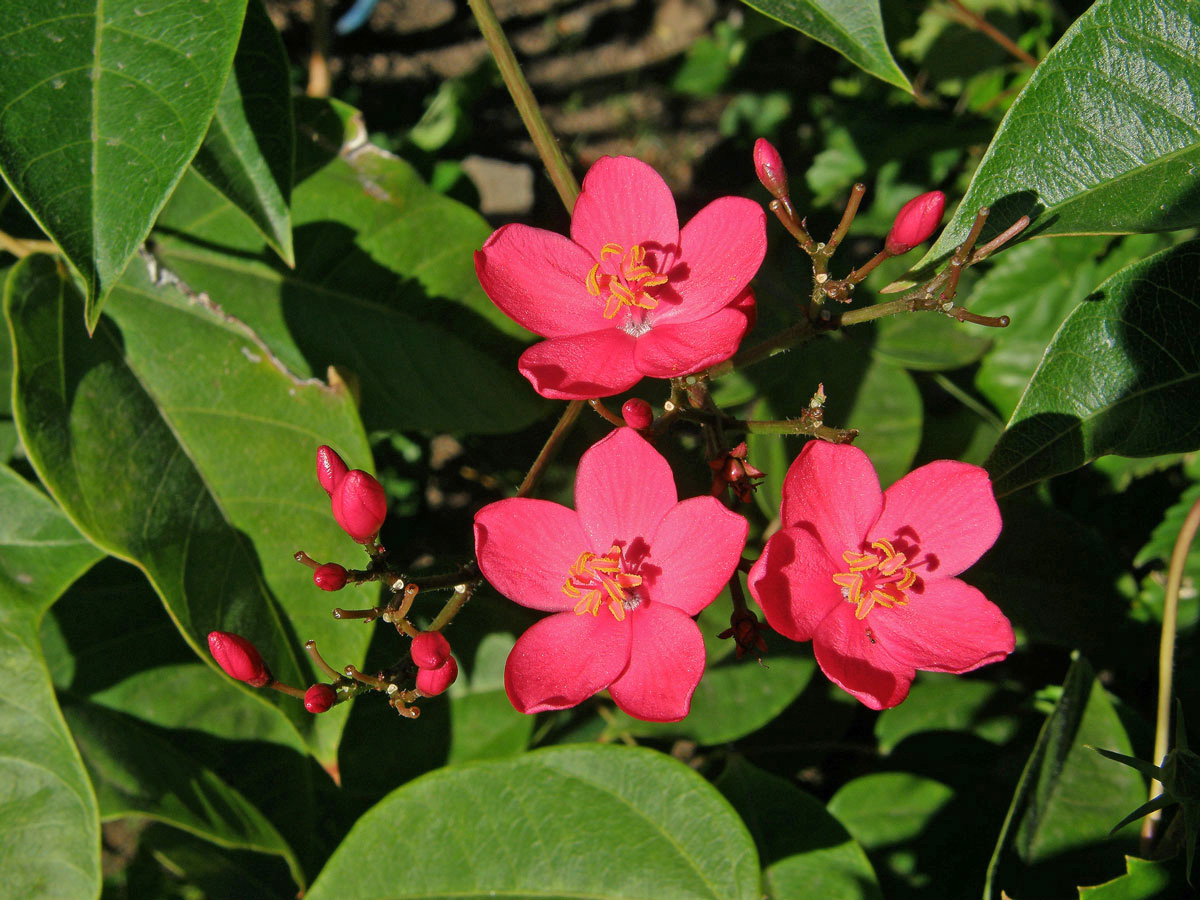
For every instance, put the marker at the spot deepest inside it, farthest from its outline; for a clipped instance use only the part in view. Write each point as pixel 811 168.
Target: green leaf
pixel 385 286
pixel 579 821
pixel 1143 880
pixel 854 28
pixel 1037 285
pixel 247 153
pixel 733 699
pixel 49 821
pixel 1104 139
pixel 137 774
pixel 939 702
pixel 204 477
pixel 130 87
pixel 929 343
pixel 888 808
pixel 1115 379
pixel 806 853
pixel 1056 834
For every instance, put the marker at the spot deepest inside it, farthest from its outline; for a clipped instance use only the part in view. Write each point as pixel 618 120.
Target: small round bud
pixel 319 697
pixel 916 221
pixel 637 413
pixel 430 650
pixel 330 577
pixel 768 164
pixel 432 682
pixel 330 468
pixel 238 658
pixel 359 505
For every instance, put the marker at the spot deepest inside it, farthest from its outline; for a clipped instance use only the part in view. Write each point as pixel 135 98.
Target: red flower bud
pixel 916 221
pixel 432 682
pixel 637 413
pixel 319 697
pixel 330 468
pixel 769 166
pixel 238 658
pixel 359 505
pixel 430 650
pixel 330 577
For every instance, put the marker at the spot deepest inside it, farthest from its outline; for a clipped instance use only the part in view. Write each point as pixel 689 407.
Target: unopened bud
pixel 916 221
pixel 432 682
pixel 637 413
pixel 430 650
pixel 238 658
pixel 359 505
pixel 330 577
pixel 769 166
pixel 319 697
pixel 330 468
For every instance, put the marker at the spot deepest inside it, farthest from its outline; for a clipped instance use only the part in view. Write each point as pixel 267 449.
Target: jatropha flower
pixel 623 573
pixel 628 294
pixel 868 576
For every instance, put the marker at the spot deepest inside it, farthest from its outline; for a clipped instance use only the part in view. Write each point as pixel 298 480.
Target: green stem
pixel 531 114
pixel 1166 654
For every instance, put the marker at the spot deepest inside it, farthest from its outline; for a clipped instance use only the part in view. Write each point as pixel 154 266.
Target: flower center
pixel 622 278
pixel 594 580
pixel 881 578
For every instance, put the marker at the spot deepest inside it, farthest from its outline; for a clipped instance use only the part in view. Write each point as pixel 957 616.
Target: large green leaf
pixel 137 774
pixel 1144 880
pixel 1056 834
pixel 854 28
pixel 1105 137
pixel 806 853
pixel 579 821
pixel 247 153
pixel 1037 285
pixel 104 107
pixel 49 821
pixel 175 441
pixel 385 285
pixel 1117 378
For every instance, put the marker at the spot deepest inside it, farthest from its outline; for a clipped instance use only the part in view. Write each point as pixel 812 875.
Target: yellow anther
pixel 593 285
pixel 886 546
pixel 612 250
pixel 907 581
pixel 655 281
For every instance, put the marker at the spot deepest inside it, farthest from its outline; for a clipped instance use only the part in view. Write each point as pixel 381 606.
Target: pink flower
pixel 868 576
pixel 628 294
pixel 623 573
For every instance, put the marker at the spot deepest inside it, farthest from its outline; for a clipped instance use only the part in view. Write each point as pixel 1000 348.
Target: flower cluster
pixel 436 668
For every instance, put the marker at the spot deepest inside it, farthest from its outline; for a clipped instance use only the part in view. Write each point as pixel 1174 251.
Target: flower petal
pixel 624 201
pixel 564 659
pixel 623 488
pixel 949 627
pixel 793 583
pixel 673 349
pixel 834 488
pixel 864 669
pixel 596 364
pixel 539 280
pixel 695 549
pixel 947 509
pixel 526 548
pixel 666 660
pixel 721 247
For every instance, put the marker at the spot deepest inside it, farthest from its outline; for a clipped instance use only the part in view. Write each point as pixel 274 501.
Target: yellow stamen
pixel 598 580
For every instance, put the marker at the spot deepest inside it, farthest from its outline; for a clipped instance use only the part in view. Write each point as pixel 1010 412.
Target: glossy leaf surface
pixel 130 86
pixel 1117 378
pixel 206 494
pixel 49 820
pixel 686 840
